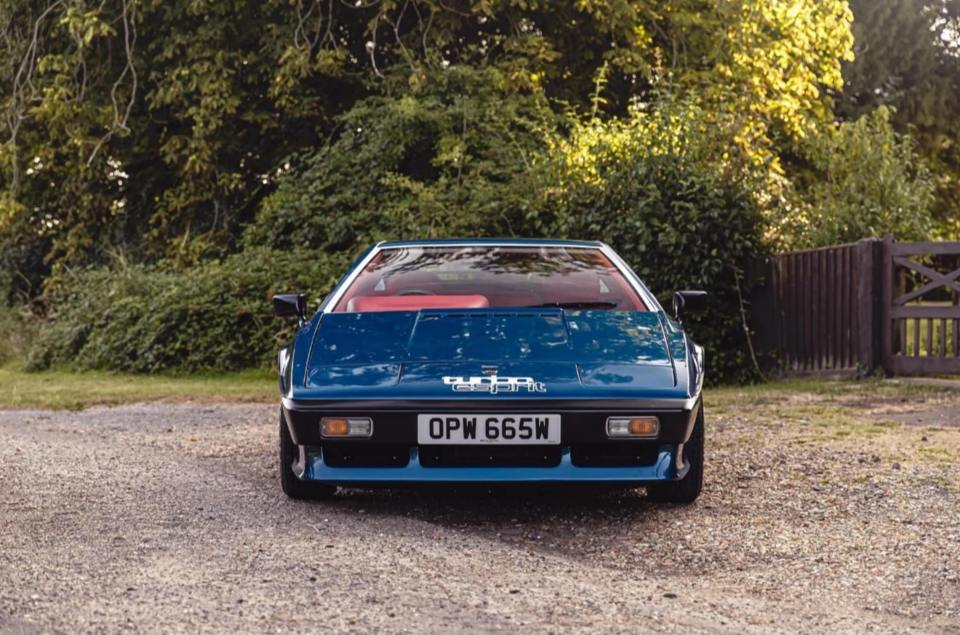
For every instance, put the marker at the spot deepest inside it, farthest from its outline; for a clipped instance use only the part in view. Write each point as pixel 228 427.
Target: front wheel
pixel 289 483
pixel 687 489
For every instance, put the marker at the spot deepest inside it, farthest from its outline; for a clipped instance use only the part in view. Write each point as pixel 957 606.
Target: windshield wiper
pixel 576 305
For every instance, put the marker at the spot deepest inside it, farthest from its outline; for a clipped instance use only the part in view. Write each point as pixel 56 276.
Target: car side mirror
pixel 291 304
pixel 687 301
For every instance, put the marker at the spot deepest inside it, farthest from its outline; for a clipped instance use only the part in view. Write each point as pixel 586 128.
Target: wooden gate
pixel 920 327
pixel 855 308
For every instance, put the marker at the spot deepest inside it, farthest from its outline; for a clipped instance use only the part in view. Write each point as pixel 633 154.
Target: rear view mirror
pixel 291 304
pixel 687 301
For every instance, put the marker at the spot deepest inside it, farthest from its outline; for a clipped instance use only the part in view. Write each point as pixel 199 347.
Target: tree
pixel 908 58
pixel 157 127
pixel 862 180
pixel 459 157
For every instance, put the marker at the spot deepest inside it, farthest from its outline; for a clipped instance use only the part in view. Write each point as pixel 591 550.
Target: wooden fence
pixel 851 309
pixel 814 311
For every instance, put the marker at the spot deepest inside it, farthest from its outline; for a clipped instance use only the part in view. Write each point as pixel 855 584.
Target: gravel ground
pixel 169 517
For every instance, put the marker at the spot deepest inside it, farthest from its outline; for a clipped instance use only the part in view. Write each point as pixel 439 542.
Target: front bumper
pixel 585 454
pixel 311 467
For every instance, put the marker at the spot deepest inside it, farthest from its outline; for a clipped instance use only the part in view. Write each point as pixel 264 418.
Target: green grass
pixel 773 393
pixel 843 415
pixel 789 400
pixel 938 454
pixel 67 390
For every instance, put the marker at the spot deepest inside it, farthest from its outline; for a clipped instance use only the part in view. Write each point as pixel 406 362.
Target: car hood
pixel 492 354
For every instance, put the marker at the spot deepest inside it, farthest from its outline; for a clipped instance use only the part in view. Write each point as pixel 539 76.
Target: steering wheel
pixel 416 292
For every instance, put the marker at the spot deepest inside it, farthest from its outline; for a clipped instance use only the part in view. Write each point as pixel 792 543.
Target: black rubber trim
pixel 490 456
pixel 586 486
pixel 360 454
pixel 398 425
pixel 479 405
pixel 622 454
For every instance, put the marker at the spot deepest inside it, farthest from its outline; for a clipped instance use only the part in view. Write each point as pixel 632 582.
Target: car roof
pixel 525 242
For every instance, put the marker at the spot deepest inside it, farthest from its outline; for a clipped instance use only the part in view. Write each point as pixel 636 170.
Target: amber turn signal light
pixel 644 427
pixel 346 427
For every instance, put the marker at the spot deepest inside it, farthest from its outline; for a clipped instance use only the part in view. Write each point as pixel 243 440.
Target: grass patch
pixel 848 415
pixel 67 390
pixel 938 454
pixel 822 408
pixel 823 389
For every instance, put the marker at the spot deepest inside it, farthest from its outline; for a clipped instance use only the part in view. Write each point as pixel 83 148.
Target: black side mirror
pixel 291 304
pixel 686 301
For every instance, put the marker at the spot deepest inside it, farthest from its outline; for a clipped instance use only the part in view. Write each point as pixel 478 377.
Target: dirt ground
pixel 824 510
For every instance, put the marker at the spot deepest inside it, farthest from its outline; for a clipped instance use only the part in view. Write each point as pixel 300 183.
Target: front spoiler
pixel 312 468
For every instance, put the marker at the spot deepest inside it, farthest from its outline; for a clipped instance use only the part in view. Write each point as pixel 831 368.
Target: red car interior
pixel 373 303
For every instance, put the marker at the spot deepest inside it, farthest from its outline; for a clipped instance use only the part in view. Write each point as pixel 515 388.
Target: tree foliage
pixel 183 136
pixel 157 127
pixel 908 59
pixel 459 157
pixel 862 179
pixel 654 185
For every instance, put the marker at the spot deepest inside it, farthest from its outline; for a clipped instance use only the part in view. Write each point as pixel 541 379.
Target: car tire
pixel 289 483
pixel 687 489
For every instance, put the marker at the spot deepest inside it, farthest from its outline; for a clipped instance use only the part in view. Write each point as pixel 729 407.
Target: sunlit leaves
pixel 228 90
pixel 778 57
pixel 864 180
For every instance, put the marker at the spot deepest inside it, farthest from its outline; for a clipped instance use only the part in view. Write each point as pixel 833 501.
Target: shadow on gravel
pixel 484 503
pixel 574 522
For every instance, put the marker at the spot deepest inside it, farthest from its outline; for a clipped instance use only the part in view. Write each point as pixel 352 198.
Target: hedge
pixel 214 317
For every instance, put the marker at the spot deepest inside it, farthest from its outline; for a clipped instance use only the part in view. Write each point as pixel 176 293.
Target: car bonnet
pixel 521 353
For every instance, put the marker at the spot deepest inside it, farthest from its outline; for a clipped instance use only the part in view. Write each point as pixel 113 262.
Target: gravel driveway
pixel 169 517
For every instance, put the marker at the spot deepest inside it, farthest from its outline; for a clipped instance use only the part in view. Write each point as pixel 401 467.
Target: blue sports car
pixel 491 361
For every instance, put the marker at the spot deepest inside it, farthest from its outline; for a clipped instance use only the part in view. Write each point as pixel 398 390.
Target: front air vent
pixel 487 456
pixel 625 454
pixel 363 454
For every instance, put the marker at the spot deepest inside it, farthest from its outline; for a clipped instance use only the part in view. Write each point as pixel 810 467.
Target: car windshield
pixel 478 277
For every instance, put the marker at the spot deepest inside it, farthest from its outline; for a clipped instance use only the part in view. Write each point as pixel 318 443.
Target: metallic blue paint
pixel 404 355
pixel 315 469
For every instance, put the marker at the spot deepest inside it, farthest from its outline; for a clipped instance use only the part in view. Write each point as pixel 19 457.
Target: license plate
pixel 500 429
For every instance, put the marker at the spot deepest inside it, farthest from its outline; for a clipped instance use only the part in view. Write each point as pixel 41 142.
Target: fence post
pixel 868 300
pixel 886 302
pixel 760 286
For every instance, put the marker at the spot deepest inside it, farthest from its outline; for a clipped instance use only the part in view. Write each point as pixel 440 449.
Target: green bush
pixel 680 229
pixel 659 190
pixel 458 158
pixel 659 187
pixel 217 316
pixel 861 180
pixel 16 333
